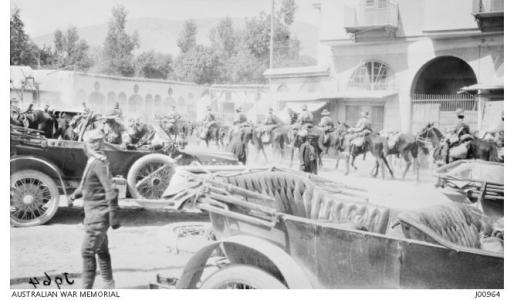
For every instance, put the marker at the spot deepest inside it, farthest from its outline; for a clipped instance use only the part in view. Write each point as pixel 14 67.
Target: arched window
pixel 111 99
pixel 122 100
pixel 371 76
pixel 148 106
pixel 282 88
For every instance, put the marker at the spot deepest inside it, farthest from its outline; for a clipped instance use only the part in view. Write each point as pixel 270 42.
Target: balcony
pixel 488 14
pixel 372 19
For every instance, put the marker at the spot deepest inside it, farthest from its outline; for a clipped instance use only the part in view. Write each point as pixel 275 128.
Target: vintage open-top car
pixel 42 169
pixel 279 229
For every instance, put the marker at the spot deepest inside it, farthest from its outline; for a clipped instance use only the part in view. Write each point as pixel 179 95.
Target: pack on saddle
pixel 270 123
pixel 457 144
pixel 359 133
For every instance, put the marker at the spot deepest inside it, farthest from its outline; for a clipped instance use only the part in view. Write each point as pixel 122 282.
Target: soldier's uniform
pixel 240 118
pixel 326 122
pixel 209 118
pixel 272 119
pixel 452 146
pixel 305 117
pixel 100 202
pixel 362 128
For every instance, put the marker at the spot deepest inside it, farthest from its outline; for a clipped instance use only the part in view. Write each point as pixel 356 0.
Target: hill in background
pixel 161 34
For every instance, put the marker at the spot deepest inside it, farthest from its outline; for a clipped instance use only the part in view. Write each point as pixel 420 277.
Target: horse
pixel 373 143
pixel 477 149
pixel 39 120
pixel 334 142
pixel 271 135
pixel 209 133
pixel 408 146
pixel 239 140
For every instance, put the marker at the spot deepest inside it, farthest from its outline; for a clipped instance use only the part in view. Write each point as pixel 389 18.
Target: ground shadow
pixel 132 216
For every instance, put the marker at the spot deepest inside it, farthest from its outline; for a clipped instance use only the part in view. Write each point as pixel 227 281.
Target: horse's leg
pixel 407 163
pixel 374 170
pixel 388 167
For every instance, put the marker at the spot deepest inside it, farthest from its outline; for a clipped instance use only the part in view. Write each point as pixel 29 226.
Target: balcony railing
pixel 382 15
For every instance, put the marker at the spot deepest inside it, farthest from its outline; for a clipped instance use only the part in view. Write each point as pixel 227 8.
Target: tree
pixel 71 52
pixel 22 50
pixel 152 64
pixel 187 37
pixel 287 11
pixel 118 49
pixel 223 38
pixel 199 64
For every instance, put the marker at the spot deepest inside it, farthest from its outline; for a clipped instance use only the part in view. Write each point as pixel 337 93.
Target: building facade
pixel 402 61
pixel 138 97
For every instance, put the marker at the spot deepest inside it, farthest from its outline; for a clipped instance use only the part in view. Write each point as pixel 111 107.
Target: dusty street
pixel 137 248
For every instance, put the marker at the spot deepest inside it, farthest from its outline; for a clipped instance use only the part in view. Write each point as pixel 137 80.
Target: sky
pixel 45 16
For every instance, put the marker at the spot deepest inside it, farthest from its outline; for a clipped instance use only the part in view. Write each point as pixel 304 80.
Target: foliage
pixel 199 64
pixel 187 37
pixel 152 64
pixel 118 58
pixel 22 50
pixel 71 52
pixel 223 38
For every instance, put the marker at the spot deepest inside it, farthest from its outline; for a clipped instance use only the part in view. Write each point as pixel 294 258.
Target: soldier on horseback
pixel 270 123
pixel 209 119
pixel 327 124
pixel 240 118
pixel 362 129
pixel 456 145
pixel 174 115
pixel 306 117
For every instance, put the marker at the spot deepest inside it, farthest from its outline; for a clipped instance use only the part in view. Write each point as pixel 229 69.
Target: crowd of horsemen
pixel 303 132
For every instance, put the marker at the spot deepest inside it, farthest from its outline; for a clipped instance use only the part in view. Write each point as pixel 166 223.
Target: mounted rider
pixel 326 122
pixel 173 115
pixel 306 117
pixel 240 118
pixel 362 129
pixel 457 144
pixel 209 119
pixel 270 122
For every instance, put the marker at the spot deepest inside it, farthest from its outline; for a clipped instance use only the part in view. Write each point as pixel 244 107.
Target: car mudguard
pixel 292 273
pixel 35 163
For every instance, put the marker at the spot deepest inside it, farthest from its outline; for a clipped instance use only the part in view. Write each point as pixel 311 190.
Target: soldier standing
pixel 100 201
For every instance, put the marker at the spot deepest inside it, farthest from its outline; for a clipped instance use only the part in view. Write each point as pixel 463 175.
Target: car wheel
pixel 242 277
pixel 150 176
pixel 34 198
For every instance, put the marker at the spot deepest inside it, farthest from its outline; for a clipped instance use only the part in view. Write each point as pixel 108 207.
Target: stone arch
pixel 97 102
pixel 371 75
pixel 149 106
pixel 111 99
pixel 81 96
pixel 282 88
pixel 443 75
pixel 157 103
pixel 122 100
pixel 135 105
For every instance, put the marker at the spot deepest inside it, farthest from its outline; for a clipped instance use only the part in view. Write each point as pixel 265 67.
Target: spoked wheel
pixel 34 198
pixel 150 176
pixel 242 277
